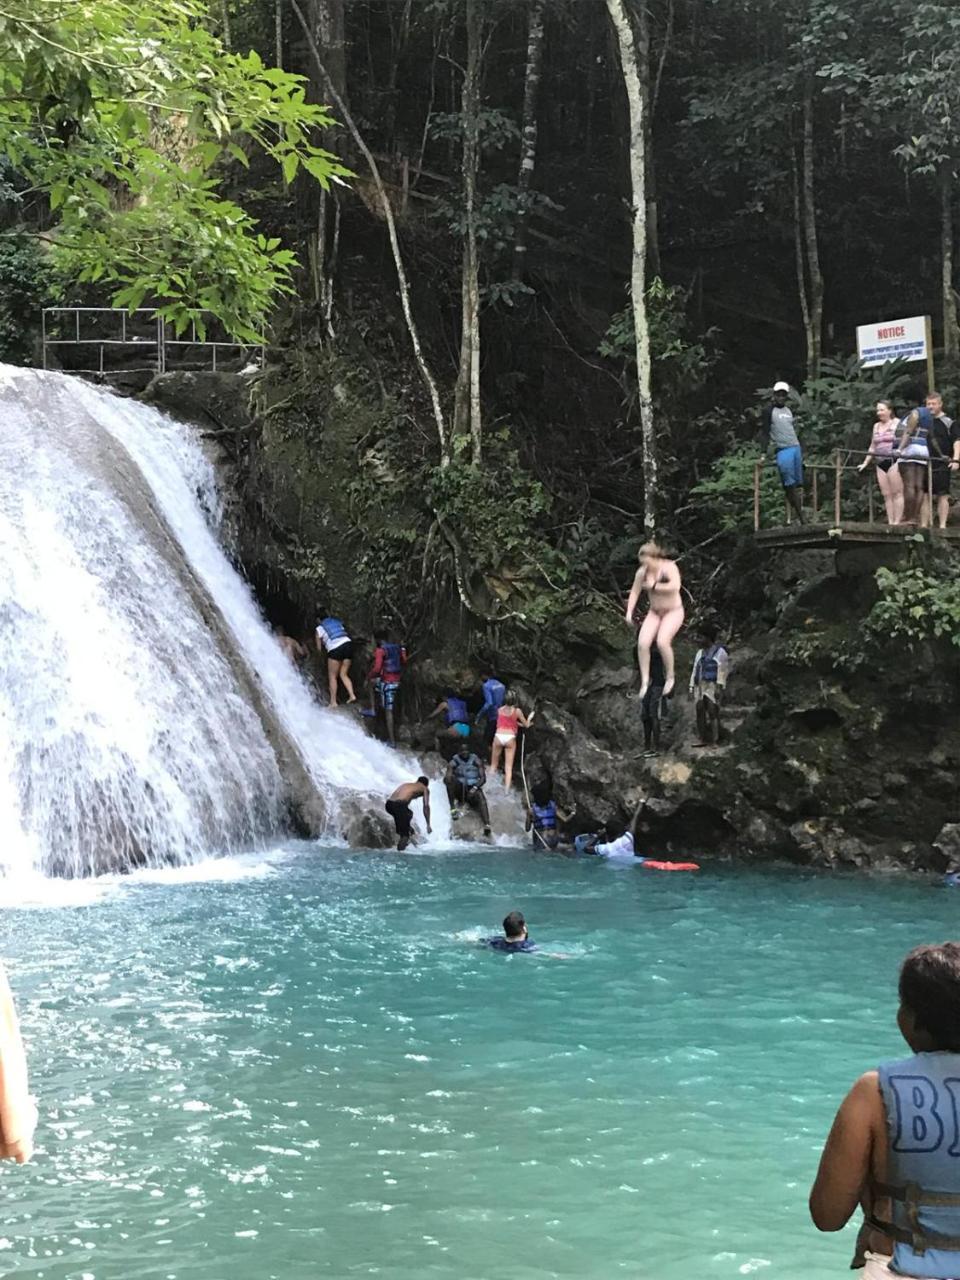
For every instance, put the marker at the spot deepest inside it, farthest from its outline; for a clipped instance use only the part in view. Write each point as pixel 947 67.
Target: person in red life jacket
pixel 708 680
pixel 453 708
pixel 892 1148
pixel 386 673
pixel 332 638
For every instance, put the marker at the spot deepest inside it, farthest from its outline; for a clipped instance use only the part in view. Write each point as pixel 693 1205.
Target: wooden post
pixel 816 505
pixel 756 495
pixel 838 474
pixel 931 374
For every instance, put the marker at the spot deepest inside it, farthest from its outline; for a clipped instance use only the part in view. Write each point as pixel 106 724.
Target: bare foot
pixel 668 687
pixel 643 690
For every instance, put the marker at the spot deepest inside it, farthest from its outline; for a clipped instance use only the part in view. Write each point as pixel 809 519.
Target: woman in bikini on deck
pixel 660 578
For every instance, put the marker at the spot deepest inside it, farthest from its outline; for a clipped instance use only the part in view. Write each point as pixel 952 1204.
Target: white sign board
pixel 894 340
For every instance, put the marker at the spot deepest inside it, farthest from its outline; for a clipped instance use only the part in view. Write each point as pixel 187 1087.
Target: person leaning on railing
pixel 882 452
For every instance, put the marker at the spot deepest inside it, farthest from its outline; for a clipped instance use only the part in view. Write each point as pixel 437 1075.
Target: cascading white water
pixel 126 732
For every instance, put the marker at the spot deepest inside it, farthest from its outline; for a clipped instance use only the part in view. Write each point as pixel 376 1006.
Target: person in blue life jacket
pixel 708 682
pixel 515 938
pixel 778 422
pixel 892 1148
pixel 914 450
pixel 465 779
pixel 334 640
pixel 453 708
pixel 389 660
pixel 494 692
pixel 544 817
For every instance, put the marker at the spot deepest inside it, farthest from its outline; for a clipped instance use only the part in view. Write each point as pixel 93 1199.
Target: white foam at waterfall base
pixel 126 737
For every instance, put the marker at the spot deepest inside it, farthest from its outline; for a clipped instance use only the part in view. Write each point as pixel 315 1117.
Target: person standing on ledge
pixel 18 1112
pixel 660 578
pixel 708 680
pixel 494 692
pixel 333 639
pixel 942 437
pixel 652 706
pixel 398 807
pixel 892 1146
pixel 777 421
pixel 389 661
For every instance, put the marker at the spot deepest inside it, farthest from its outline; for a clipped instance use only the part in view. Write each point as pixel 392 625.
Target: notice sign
pixel 894 340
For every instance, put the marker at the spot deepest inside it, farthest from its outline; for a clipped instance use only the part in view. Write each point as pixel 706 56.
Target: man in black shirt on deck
pixel 944 438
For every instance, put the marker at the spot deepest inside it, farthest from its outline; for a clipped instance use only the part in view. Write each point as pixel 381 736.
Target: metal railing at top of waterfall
pixel 142 331
pixel 830 498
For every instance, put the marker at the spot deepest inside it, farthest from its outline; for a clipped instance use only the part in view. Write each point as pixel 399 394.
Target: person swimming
pixel 515 937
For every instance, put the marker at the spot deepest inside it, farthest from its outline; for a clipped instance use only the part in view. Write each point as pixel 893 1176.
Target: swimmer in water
pixel 515 938
pixel 660 579
pixel 891 1147
pixel 398 807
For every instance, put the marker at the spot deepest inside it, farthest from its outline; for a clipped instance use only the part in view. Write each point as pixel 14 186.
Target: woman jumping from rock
pixel 660 578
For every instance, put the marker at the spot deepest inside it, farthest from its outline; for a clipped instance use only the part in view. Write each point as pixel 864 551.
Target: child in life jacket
pixel 708 680
pixel 893 1145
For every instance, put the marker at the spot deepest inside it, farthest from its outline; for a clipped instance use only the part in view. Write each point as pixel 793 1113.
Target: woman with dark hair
pixel 882 452
pixel 914 461
pixel 893 1145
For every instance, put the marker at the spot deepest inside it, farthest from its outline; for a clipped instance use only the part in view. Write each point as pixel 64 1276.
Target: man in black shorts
pixel 943 436
pixel 398 807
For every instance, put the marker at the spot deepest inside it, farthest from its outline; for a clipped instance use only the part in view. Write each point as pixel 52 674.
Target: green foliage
pixel 125 116
pixel 726 494
pixel 681 363
pixel 916 605
pixel 26 285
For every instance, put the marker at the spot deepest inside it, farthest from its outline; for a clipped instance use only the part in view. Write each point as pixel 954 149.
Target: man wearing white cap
pixel 777 418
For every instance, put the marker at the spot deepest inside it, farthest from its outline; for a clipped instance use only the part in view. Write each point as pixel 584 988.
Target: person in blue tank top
pixel 894 1147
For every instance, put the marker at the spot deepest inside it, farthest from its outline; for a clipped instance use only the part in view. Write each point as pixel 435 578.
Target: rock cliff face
pixel 824 762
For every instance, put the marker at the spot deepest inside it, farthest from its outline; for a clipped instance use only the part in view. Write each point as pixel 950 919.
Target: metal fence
pixel 142 331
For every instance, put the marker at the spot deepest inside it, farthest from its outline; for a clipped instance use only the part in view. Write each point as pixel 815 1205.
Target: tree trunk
pixel 278 33
pixel 328 29
pixel 811 244
pixel 528 135
pixel 636 74
pixel 951 327
pixel 225 25
pixel 653 203
pixel 467 399
pixel 403 286
pixel 799 254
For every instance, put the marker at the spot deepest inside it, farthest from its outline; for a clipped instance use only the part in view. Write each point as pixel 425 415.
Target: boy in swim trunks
pixel 893 1146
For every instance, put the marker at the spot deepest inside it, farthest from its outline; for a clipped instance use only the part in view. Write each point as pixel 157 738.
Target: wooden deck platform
pixel 831 535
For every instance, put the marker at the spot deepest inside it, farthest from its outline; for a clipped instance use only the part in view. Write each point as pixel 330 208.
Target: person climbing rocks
pixel 494 691
pixel 708 681
pixel 291 647
pixel 660 579
pixel 465 779
pixel 652 706
pixel 882 452
pixel 778 422
pixel 332 638
pixel 389 660
pixel 457 720
pixel 515 937
pixel 914 447
pixel 18 1112
pixel 510 720
pixel 943 435
pixel 544 817
pixel 398 807
pixel 892 1144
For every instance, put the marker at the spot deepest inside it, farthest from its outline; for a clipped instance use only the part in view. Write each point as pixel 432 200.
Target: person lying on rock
pixel 708 681
pixel 893 1146
pixel 398 807
pixel 454 710
pixel 465 779
pixel 515 938
pixel 543 817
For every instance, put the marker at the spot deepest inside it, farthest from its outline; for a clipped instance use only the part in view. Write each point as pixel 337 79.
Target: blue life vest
pixel 710 665
pixel 467 771
pixel 544 816
pixel 456 711
pixel 518 947
pixel 335 629
pixel 494 692
pixel 921 1097
pixel 392 659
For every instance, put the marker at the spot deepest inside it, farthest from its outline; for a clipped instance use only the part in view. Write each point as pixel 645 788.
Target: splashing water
pixel 134 656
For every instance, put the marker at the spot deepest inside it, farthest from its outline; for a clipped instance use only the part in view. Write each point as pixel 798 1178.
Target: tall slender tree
pixel 528 132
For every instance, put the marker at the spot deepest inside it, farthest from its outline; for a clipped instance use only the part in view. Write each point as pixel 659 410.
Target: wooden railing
pixel 835 471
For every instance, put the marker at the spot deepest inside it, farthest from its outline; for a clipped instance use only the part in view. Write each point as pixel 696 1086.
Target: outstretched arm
pixel 845 1163
pixel 441 706
pixel 426 811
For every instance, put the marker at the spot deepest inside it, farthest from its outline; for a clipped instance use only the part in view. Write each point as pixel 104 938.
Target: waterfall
pixel 147 715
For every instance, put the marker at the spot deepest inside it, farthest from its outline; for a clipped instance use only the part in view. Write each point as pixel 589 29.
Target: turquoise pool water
pixel 303 1066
